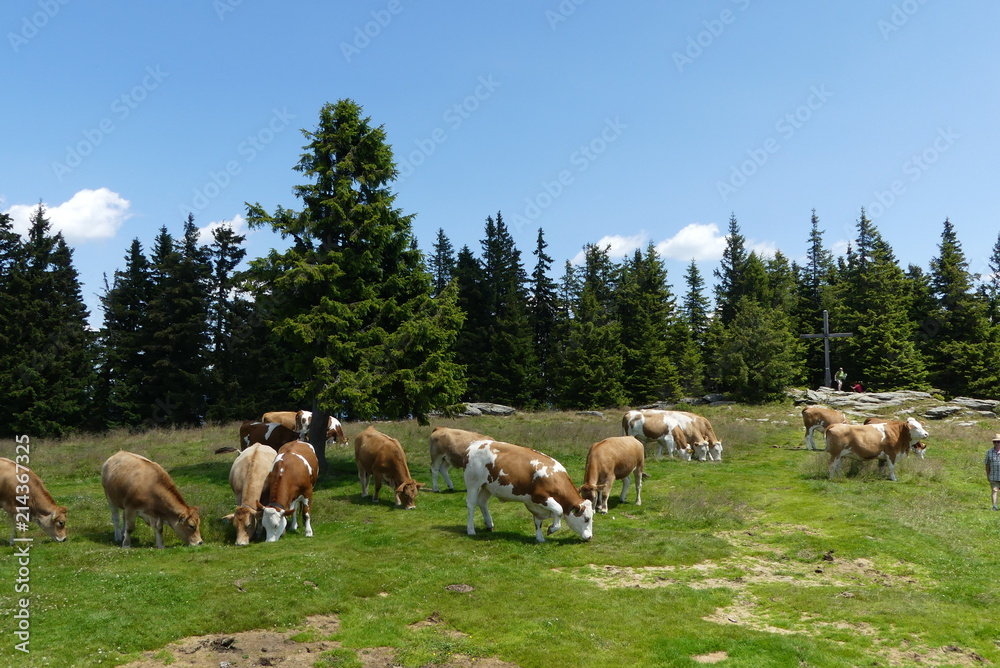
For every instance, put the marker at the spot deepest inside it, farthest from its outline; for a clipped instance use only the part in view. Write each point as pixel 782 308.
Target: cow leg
pixel 378 486
pixel 892 468
pixel 538 529
pixel 130 514
pixel 638 486
pixel 434 477
pixel 447 478
pixel 625 482
pixel 363 479
pixel 810 443
pixel 471 498
pixel 306 520
pixel 114 522
pixel 835 463
pixel 556 511
pixel 157 525
pixel 293 521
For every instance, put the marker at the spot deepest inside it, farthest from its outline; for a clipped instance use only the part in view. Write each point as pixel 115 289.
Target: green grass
pixel 912 571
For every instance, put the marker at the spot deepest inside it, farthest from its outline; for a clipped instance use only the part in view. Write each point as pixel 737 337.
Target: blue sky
pixel 617 123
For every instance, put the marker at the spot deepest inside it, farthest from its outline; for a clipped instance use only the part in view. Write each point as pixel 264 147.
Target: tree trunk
pixel 317 434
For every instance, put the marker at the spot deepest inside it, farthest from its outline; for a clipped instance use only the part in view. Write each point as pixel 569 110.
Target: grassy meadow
pixel 758 559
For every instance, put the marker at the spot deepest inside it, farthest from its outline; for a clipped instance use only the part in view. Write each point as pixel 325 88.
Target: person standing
pixel 993 468
pixel 840 377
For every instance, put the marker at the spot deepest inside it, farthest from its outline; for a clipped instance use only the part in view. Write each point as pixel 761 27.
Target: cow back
pixel 530 473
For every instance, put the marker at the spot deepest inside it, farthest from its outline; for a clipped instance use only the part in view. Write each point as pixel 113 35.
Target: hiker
pixel 840 377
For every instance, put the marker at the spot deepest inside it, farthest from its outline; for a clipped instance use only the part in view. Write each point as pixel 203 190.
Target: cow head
pixel 685 451
pixel 715 452
pixel 581 519
pixel 917 430
pixel 54 524
pixel 589 491
pixel 700 451
pixel 274 520
pixel 406 494
pixel 188 527
pixel 303 420
pixel 244 518
pixel 918 449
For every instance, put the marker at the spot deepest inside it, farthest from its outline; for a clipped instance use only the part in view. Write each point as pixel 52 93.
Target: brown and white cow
pixel 688 434
pixel 448 449
pixel 515 473
pixel 615 458
pixel 380 457
pixel 21 488
pixel 817 419
pixel 142 487
pixel 919 448
pixel 290 482
pixel 334 430
pixel 273 434
pixel 248 478
pixel 284 418
pixel 868 441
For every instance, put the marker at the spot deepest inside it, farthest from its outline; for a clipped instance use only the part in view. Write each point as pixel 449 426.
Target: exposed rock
pixel 712 398
pixel 488 409
pixel 940 412
pixel 976 404
pixel 594 413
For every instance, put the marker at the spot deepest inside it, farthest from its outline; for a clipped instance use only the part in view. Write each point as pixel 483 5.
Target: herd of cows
pixel 274 475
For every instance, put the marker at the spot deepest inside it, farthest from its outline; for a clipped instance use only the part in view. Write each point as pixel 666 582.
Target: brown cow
pixel 688 434
pixel 284 418
pixel 380 457
pixel 919 448
pixel 515 473
pixel 817 419
pixel 21 488
pixel 334 430
pixel 142 487
pixel 248 478
pixel 615 458
pixel 273 434
pixel 868 441
pixel 291 480
pixel 448 449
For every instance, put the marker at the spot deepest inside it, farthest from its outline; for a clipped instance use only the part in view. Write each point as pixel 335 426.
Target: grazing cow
pixel 285 418
pixel 817 419
pixel 615 458
pixel 380 457
pixel 918 448
pixel 273 434
pixel 334 430
pixel 141 487
pixel 248 478
pixel 290 481
pixel 449 449
pixel 893 439
pixel 688 434
pixel 21 488
pixel 515 473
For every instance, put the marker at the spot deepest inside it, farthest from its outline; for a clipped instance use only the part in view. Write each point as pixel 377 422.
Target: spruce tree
pixel 815 296
pixel 442 262
pixel 124 396
pixel 54 355
pixel 690 335
pixel 473 337
pixel 731 273
pixel 646 311
pixel 543 315
pixel 353 297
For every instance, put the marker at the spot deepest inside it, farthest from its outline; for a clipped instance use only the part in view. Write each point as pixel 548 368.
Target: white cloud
pixel 764 249
pixel 238 223
pixel 696 241
pixel 87 216
pixel 618 246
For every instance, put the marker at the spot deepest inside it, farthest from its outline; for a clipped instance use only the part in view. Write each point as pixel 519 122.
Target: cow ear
pixel 228 518
pixel 420 485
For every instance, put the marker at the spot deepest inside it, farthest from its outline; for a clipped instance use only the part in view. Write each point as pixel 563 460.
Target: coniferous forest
pixel 355 320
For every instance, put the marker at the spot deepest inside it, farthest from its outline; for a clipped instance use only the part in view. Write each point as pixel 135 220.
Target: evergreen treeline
pixel 354 320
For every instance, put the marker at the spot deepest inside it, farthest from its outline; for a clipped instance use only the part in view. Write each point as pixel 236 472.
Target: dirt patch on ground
pixel 297 648
pixel 714 657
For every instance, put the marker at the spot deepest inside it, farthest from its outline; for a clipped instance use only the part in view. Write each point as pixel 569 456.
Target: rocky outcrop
pixel 865 402
pixel 475 409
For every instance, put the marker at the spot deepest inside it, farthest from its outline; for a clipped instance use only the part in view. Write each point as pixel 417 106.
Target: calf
pixel 380 457
pixel 448 449
pixel 248 478
pixel 290 481
pixel 688 434
pixel 817 419
pixel 141 487
pixel 515 473
pixel 616 458
pixel 918 448
pixel 892 439
pixel 21 488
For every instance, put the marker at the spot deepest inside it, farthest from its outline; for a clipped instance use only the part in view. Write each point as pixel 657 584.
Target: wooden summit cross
pixel 826 336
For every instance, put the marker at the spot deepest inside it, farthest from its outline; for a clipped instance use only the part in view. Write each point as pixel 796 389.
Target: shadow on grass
pixel 215 473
